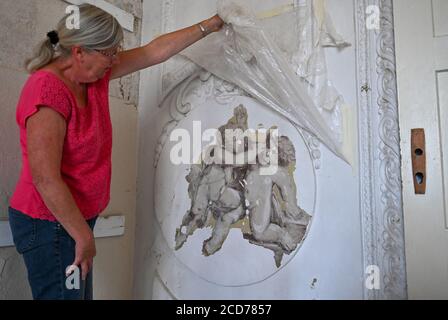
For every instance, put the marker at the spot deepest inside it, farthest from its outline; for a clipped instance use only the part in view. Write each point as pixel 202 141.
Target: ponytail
pixel 44 55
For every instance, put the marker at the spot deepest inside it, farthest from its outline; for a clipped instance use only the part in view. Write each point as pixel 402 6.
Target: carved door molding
pixel 379 151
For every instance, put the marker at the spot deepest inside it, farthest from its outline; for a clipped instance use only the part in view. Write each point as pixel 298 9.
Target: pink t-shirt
pixel 86 159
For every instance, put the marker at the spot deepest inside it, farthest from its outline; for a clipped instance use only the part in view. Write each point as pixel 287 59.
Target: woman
pixel 66 140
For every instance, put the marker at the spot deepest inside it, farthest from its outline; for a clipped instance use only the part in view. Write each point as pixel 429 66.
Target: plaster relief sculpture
pixel 276 222
pixel 225 196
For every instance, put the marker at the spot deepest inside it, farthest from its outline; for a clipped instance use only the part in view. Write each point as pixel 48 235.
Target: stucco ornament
pixel 241 195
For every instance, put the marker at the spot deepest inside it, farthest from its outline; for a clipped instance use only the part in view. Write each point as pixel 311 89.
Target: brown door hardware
pixel 418 160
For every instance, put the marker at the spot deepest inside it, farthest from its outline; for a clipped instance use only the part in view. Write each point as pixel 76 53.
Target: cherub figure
pixel 276 221
pixel 215 188
pixel 229 192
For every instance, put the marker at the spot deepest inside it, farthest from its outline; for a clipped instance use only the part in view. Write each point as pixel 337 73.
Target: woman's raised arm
pixel 164 47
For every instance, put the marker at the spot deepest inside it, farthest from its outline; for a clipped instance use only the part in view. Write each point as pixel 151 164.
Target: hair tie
pixel 54 38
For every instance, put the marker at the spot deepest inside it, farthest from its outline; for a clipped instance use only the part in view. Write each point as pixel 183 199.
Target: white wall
pixel 332 253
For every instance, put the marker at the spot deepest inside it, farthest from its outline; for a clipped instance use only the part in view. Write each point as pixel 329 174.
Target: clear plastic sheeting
pixel 306 56
pixel 283 68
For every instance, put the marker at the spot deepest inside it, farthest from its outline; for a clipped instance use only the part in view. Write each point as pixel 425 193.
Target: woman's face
pixel 93 64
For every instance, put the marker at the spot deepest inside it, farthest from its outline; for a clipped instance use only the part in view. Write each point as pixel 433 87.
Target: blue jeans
pixel 48 250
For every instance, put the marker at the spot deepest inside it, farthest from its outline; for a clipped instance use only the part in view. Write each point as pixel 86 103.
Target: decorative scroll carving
pixel 314 145
pixel 380 194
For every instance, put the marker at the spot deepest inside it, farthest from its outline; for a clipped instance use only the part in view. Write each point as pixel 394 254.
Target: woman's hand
pixel 85 251
pixel 215 23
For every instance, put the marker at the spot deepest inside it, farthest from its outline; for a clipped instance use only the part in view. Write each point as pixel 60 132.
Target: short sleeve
pixel 48 91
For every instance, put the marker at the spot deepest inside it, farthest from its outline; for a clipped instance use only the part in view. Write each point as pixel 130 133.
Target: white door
pixel 421 35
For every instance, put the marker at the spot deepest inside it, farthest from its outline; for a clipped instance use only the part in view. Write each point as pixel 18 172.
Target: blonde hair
pixel 98 31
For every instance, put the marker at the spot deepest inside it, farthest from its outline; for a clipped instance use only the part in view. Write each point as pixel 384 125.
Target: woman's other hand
pixel 85 252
